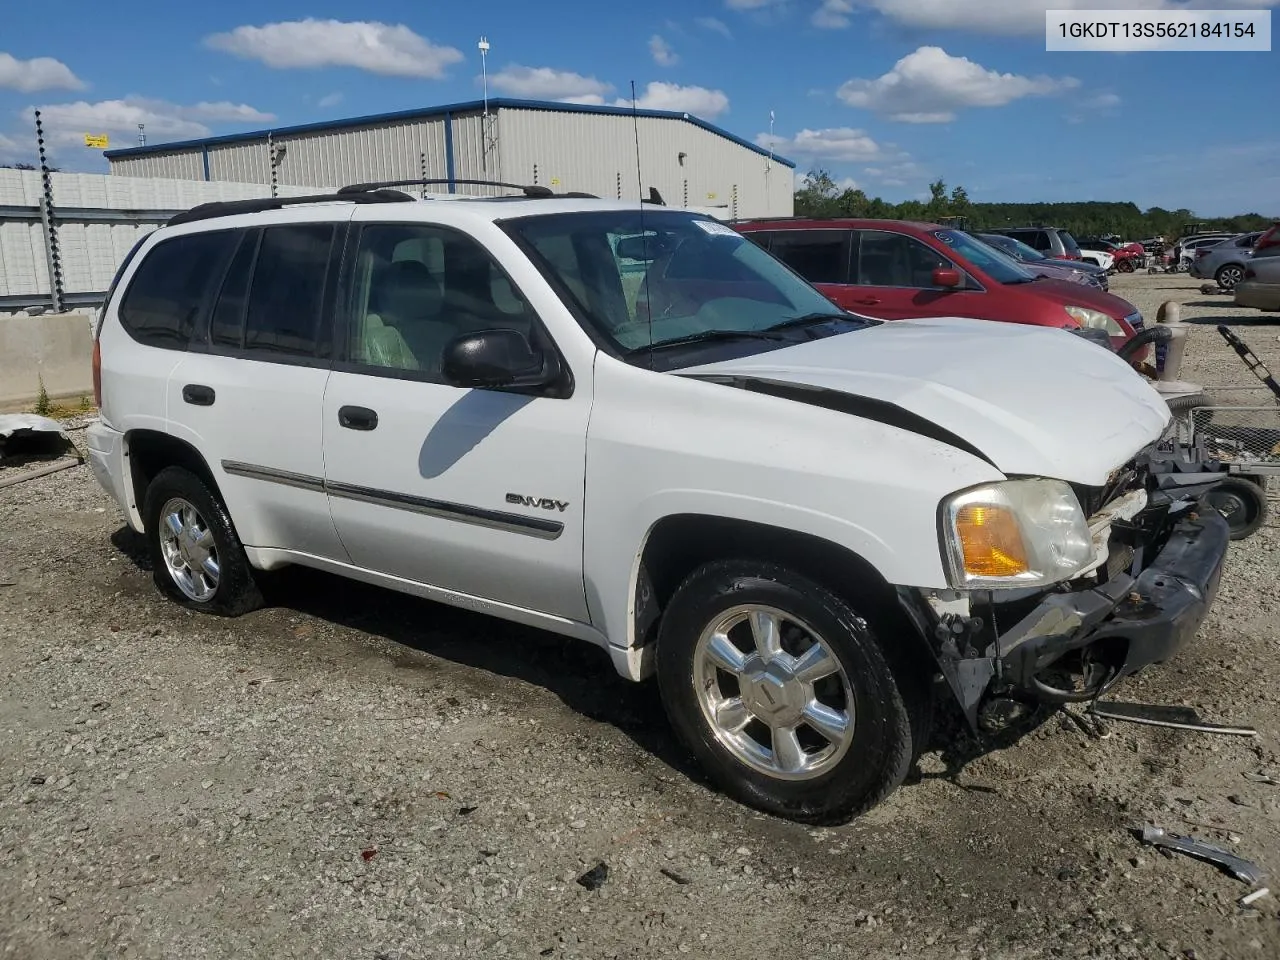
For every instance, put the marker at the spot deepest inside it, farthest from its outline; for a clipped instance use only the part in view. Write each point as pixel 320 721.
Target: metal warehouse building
pixel 563 146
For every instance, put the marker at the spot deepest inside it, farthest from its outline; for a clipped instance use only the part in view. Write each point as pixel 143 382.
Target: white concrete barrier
pixel 55 348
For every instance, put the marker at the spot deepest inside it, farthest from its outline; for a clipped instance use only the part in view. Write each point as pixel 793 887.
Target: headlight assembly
pixel 1096 320
pixel 1017 533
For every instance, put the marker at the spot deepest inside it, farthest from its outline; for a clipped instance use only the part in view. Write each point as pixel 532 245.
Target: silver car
pixel 1260 287
pixel 1225 262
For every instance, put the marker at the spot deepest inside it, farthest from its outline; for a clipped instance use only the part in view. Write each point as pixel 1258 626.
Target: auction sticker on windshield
pixel 1160 30
pixel 716 229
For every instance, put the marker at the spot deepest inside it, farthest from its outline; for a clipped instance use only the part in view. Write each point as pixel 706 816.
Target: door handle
pixel 868 301
pixel 198 394
pixel 357 418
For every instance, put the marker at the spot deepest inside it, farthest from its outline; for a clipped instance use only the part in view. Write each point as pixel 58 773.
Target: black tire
pixel 1180 405
pixel 1124 266
pixel 1244 504
pixel 1228 275
pixel 891 707
pixel 236 590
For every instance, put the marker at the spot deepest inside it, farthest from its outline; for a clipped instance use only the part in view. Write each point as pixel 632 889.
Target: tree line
pixel 820 196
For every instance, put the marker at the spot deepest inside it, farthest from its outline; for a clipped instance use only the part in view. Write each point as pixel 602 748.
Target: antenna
pixel 648 306
pixel 483 47
pixel 768 163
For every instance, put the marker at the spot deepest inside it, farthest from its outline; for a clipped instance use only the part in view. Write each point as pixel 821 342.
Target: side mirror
pixel 946 277
pixel 496 358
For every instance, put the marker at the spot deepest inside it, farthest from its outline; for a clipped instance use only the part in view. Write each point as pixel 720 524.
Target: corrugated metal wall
pixel 597 153
pixel 571 151
pixel 179 165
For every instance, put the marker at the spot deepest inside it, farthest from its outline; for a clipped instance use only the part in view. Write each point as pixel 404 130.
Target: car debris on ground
pixel 1238 867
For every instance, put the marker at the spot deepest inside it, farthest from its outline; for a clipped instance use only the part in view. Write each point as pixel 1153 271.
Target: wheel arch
pixel 147 452
pixel 678 544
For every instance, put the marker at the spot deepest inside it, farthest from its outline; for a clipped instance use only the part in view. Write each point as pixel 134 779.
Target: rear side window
pixel 287 290
pixel 172 285
pixel 1068 242
pixel 226 325
pixel 820 256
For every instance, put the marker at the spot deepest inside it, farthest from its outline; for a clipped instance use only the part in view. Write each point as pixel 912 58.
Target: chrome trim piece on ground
pixel 445 510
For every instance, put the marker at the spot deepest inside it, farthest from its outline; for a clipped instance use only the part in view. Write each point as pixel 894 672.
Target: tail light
pixel 1202 252
pixel 1269 239
pixel 97 374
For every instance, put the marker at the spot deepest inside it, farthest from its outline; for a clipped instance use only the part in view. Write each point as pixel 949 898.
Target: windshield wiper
pixel 710 336
pixel 813 319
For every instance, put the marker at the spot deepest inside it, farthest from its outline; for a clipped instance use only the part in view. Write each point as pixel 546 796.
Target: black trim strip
pixel 254 472
pixel 868 408
pixel 445 510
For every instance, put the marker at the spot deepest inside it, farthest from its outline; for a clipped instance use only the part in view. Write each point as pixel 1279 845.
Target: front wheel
pixel 784 693
pixel 1124 266
pixel 196 555
pixel 1229 275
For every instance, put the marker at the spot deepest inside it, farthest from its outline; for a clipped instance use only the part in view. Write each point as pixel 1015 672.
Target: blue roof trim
pixel 429 112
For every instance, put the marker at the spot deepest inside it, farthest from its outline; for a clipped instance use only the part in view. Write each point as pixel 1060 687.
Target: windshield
pixel 1015 248
pixel 643 279
pixel 996 264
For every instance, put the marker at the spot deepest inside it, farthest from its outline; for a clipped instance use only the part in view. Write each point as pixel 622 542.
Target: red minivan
pixel 896 270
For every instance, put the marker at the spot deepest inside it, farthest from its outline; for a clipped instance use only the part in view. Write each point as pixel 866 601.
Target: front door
pixel 475 491
pixel 893 280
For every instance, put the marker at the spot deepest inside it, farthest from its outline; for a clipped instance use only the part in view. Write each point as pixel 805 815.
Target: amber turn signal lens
pixel 990 541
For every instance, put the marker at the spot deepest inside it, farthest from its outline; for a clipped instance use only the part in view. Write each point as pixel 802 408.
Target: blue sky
pixel 887 94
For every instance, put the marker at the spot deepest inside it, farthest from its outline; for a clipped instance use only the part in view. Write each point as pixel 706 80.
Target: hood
pixel 1081 295
pixel 1080 265
pixel 1034 401
pixel 1058 270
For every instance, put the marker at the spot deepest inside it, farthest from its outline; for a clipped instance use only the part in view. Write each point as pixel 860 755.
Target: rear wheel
pixel 196 556
pixel 784 693
pixel 1242 502
pixel 1229 275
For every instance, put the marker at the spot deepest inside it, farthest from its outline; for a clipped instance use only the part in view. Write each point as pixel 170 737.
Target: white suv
pixel 633 426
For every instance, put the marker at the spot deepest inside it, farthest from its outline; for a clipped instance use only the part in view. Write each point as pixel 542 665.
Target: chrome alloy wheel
pixel 773 692
pixel 189 550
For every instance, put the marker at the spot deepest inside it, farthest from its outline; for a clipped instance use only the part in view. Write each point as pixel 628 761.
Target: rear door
pixel 820 256
pixel 893 277
pixel 248 394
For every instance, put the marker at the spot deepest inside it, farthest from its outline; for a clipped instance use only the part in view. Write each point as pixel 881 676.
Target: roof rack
pixel 529 190
pixel 229 208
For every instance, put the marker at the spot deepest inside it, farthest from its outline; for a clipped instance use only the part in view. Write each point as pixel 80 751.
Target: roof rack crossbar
pixel 529 190
pixel 229 208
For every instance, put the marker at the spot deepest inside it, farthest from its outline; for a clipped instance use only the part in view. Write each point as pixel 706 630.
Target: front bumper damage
pixel 1137 610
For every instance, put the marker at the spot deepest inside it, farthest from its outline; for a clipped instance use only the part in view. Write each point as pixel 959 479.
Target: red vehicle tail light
pixel 97 374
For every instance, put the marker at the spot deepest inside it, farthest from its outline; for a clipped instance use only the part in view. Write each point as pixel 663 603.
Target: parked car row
pixel 893 270
pixel 1077 271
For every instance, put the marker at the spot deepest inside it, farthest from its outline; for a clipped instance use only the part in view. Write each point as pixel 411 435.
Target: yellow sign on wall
pixel 98 140
pixel 711 196
pixel 555 181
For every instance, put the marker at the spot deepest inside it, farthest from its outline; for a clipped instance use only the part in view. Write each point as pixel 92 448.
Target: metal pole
pixel 484 119
pixel 271 159
pixel 49 221
pixel 423 159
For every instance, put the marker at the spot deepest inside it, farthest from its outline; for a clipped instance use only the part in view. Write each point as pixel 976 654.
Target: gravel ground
pixel 353 773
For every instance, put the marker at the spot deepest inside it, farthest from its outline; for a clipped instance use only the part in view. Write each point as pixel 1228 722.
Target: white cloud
pixel 715 25
pixel 391 50
pixel 752 4
pixel 930 85
pixel 833 14
pixel 545 83
pixel 661 52
pixel 40 73
pixel 1023 17
pixel 590 99
pixel 10 151
pixel 330 100
pixel 846 183
pixel 1104 101
pixel 833 144
pixel 699 101
pixel 67 123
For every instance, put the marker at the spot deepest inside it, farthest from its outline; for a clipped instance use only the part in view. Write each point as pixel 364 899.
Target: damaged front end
pixel 1158 561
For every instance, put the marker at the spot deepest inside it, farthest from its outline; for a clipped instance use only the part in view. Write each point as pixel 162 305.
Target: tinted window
pixel 288 289
pixel 415 288
pixel 896 260
pixel 820 256
pixel 226 325
pixel 172 285
pixel 999 266
pixel 1068 242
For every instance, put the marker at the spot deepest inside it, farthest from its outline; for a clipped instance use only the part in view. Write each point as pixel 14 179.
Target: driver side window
pixel 415 288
